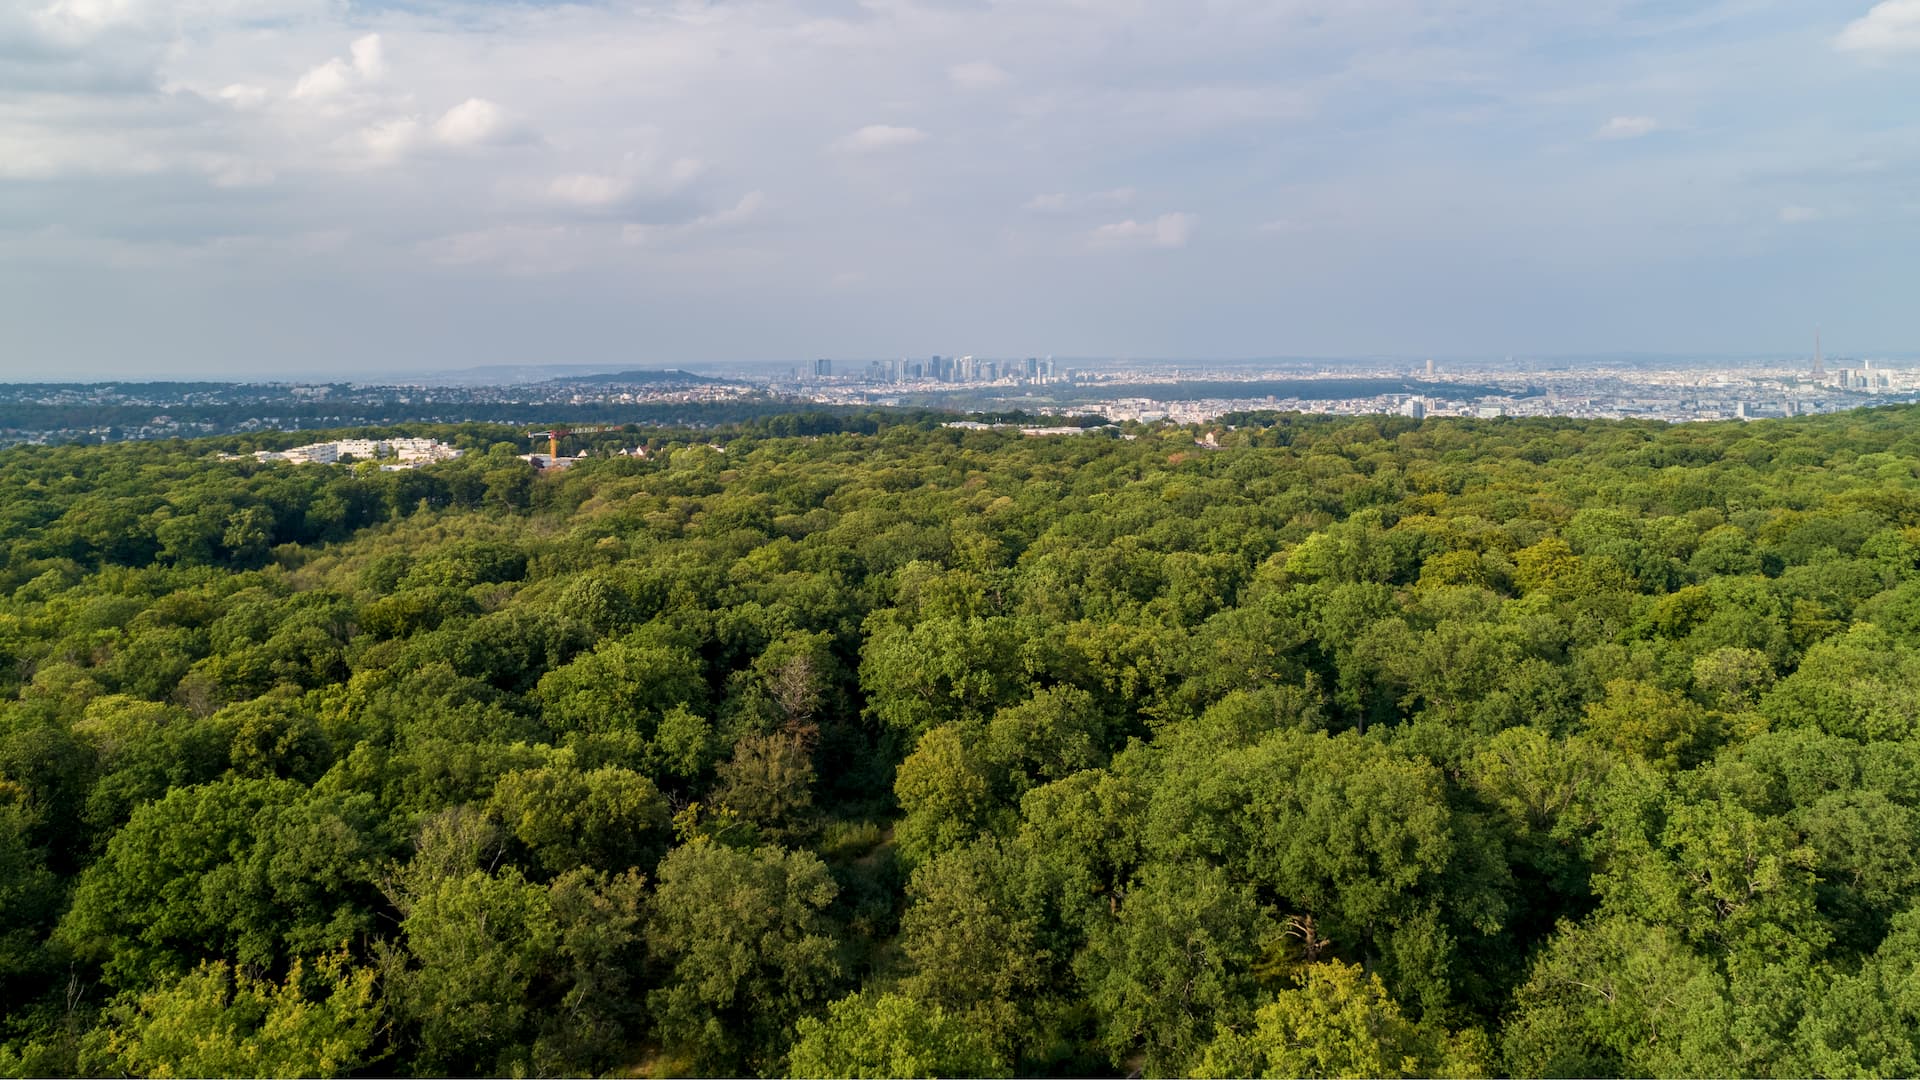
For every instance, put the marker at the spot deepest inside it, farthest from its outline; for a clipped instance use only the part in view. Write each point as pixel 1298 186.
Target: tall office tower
pixel 1429 369
pixel 823 369
pixel 1819 362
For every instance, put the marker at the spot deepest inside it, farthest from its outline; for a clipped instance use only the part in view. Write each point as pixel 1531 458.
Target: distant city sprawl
pixel 1145 392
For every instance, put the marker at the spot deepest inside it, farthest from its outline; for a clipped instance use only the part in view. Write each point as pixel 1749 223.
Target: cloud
pixel 590 189
pixel 388 140
pixel 1799 215
pixel 1390 133
pixel 243 96
pixel 1627 127
pixel 1889 27
pixel 328 80
pixel 474 122
pixel 1166 231
pixel 877 137
pixel 641 177
pixel 337 76
pixel 1063 203
pixel 741 212
pixel 368 58
pixel 978 75
pixel 520 250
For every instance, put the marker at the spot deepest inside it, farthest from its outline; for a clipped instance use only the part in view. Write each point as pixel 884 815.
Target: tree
pixel 1659 726
pixel 474 945
pixel 245 869
pixel 323 1019
pixel 1868 1023
pixel 30 896
pixel 1337 1021
pixel 620 687
pixel 609 818
pixel 1618 997
pixel 945 793
pixel 1173 965
pixel 746 947
pixel 886 1034
pixel 1050 736
pixel 1343 829
pixel 973 949
pixel 769 781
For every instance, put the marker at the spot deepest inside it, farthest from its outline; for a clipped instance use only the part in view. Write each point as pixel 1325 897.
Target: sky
pixel 281 188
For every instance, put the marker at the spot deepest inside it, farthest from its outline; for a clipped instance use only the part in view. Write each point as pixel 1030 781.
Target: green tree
pixel 1173 965
pixel 608 818
pixel 747 949
pixel 1337 1021
pixel 324 1019
pixel 882 1035
pixel 474 946
pixel 972 947
pixel 944 792
pixel 1659 726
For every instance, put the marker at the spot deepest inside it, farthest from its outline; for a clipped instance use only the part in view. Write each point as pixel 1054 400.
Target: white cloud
pixel 978 75
pixel 1890 26
pixel 243 96
pixel 1063 203
pixel 390 139
pixel 1166 231
pixel 368 58
pixel 1799 215
pixel 875 137
pixel 590 189
pixel 327 80
pixel 1627 127
pixel 1249 111
pixel 640 175
pixel 473 122
pixel 337 76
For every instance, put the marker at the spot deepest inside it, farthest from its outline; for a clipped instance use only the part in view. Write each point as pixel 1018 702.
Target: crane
pixel 555 434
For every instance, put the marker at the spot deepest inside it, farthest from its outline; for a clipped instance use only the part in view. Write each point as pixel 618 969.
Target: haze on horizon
pixel 244 188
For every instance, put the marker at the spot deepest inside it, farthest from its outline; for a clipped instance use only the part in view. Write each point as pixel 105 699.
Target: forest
pixel 864 746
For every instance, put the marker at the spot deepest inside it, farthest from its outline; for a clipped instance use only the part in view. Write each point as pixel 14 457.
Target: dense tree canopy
pixel 865 746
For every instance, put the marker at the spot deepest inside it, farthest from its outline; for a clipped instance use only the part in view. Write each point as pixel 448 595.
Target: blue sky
pixel 286 187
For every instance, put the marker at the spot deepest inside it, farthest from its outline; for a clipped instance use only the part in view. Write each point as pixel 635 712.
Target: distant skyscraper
pixel 1819 361
pixel 1429 369
pixel 1414 407
pixel 823 368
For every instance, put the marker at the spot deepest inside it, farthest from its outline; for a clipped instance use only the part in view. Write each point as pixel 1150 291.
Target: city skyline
pixel 218 189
